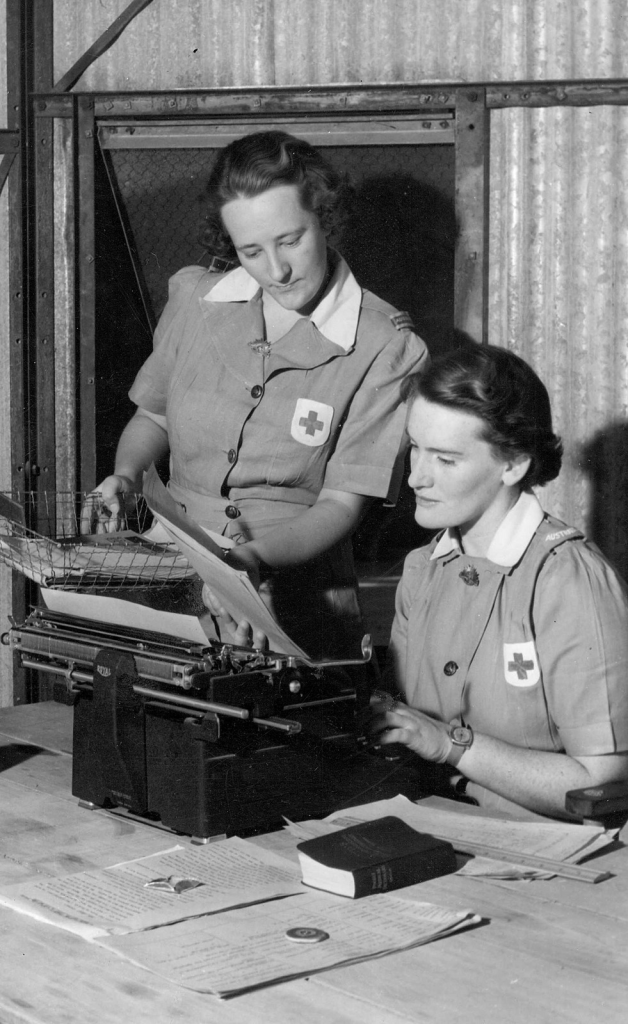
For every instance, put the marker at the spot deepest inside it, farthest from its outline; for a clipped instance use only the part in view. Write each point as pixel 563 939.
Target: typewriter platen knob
pixel 294 686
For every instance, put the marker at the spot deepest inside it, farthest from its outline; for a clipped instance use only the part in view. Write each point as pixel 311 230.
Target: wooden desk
pixel 553 951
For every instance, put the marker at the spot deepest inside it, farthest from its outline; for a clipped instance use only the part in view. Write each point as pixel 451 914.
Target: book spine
pixel 402 871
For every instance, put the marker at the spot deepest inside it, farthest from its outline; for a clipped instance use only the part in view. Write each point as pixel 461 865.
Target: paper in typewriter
pixel 233 588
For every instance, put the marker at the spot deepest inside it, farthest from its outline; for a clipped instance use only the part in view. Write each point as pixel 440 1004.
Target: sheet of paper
pixel 233 588
pixel 477 867
pixel 116 899
pixel 243 949
pixel 560 841
pixel 115 611
pixel 556 840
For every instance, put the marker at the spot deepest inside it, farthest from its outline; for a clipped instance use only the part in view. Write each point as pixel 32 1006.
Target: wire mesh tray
pixel 138 556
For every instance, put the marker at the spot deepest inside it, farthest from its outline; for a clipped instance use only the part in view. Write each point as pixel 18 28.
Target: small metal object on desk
pixel 306 935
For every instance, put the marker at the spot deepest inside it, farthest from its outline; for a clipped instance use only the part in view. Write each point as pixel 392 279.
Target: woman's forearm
pixel 536 779
pixel 143 441
pixel 333 516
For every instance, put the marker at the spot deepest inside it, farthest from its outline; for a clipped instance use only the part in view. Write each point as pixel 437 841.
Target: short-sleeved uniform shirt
pixel 319 407
pixel 528 645
pixel 256 431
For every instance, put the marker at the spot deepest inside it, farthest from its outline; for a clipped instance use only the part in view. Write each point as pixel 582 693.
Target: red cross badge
pixel 311 423
pixel 521 664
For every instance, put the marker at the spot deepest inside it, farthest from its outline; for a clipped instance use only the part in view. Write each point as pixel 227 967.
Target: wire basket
pixel 136 556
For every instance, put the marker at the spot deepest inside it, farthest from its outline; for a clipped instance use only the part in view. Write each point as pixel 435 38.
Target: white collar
pixel 512 537
pixel 336 315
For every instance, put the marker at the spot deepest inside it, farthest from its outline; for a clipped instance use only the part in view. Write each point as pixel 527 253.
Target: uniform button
pixel 257 391
pixel 232 512
pixel 450 668
pixel 232 455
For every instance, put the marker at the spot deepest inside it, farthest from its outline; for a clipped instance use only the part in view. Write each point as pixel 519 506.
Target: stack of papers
pixel 124 898
pixel 552 840
pixel 177 913
pixel 244 949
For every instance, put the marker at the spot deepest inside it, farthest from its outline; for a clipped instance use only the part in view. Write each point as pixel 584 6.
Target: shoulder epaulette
pixel 554 532
pixel 402 322
pixel 220 265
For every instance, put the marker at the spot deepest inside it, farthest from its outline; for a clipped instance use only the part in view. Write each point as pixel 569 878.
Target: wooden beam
pixel 102 44
pixel 9 140
pixel 584 93
pixel 85 137
pixel 5 167
pixel 472 168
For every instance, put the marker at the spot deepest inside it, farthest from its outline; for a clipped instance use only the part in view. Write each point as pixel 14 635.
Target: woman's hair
pixel 261 161
pixel 505 393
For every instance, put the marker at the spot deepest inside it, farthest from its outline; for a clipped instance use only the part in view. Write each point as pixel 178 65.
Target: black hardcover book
pixel 374 856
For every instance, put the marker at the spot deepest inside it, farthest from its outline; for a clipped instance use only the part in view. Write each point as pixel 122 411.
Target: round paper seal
pixel 306 935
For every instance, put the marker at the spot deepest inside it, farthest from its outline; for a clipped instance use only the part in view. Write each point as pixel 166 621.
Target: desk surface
pixel 554 951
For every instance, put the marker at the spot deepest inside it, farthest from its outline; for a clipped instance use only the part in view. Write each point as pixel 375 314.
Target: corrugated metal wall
pixel 559 262
pixel 208 43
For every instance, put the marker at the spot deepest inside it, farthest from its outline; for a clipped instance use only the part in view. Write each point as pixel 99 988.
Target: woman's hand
pixel 333 516
pixel 232 632
pixel 395 722
pixel 144 440
pixel 104 510
pixel 242 557
pixel 536 779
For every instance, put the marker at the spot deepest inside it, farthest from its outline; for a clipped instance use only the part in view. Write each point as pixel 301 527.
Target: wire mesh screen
pixel 400 241
pixel 59 556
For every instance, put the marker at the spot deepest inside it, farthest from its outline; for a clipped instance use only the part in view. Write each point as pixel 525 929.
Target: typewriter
pixel 200 737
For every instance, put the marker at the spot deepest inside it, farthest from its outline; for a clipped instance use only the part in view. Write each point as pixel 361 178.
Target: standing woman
pixel 510 640
pixel 275 388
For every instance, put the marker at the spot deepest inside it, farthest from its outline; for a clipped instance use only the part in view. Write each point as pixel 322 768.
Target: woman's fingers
pixel 260 640
pixel 104 509
pixel 211 601
pixel 96 516
pixel 242 633
pixel 239 633
pixel 427 737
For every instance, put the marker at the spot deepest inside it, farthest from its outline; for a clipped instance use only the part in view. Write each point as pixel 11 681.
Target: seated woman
pixel 276 390
pixel 510 641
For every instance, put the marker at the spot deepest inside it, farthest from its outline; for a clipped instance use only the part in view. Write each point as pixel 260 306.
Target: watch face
pixel 462 735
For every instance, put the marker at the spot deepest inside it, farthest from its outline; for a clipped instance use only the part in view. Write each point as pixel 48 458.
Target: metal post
pixel 471 266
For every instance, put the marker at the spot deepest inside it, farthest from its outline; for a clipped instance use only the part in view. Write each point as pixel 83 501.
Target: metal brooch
pixel 470 576
pixel 261 346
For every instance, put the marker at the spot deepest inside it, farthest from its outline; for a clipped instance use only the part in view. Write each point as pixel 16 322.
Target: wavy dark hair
pixel 263 160
pixel 503 391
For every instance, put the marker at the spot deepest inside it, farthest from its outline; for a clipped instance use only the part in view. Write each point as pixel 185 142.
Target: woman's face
pixel 457 478
pixel 280 244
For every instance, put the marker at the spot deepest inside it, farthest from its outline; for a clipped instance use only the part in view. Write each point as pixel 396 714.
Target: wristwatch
pixel 461 737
